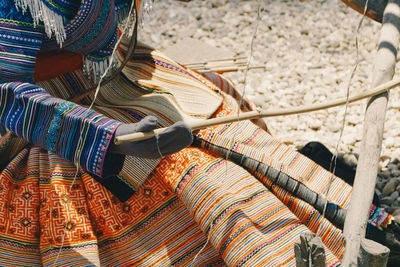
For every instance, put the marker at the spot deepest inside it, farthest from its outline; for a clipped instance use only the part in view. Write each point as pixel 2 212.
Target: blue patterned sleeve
pixel 55 124
pixel 20 43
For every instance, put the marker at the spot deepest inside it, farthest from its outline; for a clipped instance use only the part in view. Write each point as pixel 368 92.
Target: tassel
pixel 94 68
pixel 145 10
pixel 53 22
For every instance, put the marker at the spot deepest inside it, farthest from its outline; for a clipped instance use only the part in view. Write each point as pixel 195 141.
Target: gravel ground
pixel 308 48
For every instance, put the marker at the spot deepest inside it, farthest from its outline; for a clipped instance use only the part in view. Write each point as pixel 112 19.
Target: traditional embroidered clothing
pixel 192 207
pixel 88 27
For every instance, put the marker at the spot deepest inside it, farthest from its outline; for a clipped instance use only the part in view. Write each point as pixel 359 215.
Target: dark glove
pixel 173 139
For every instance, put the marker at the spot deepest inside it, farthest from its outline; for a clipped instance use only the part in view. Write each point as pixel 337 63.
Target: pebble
pixel 394 195
pixel 395 172
pixel 390 187
pixel 386 201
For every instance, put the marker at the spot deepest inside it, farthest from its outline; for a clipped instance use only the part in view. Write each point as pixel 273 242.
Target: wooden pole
pixel 261 114
pixel 367 168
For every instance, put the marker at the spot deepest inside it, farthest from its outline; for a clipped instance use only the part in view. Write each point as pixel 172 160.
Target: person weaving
pixel 69 196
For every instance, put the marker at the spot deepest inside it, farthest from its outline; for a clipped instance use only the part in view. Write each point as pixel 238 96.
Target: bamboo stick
pixel 371 145
pixel 262 114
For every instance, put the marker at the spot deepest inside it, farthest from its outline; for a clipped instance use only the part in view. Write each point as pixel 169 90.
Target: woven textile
pixel 190 208
pixel 88 27
pixel 49 122
pixel 188 198
pixel 171 207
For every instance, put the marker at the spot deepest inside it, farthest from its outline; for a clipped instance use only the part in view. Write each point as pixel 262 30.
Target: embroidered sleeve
pixel 64 128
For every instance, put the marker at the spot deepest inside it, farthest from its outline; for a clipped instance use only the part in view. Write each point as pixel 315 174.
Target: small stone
pixel 385 174
pixel 380 185
pixel 386 201
pixel 395 172
pixel 384 163
pixel 396 203
pixel 394 195
pixel 391 166
pixel 333 127
pixel 349 139
pixel 389 142
pixel 350 158
pixel 247 8
pixel 396 212
pixel 353 119
pixel 315 124
pixel 390 187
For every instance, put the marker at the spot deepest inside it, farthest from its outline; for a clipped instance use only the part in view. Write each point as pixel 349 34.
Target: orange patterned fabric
pixel 192 207
pixel 190 197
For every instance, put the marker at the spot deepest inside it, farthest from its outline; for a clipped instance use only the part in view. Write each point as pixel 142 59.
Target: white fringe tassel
pixel 53 23
pixel 95 69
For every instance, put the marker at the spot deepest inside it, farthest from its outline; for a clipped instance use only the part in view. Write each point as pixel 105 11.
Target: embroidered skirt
pixel 191 208
pixel 195 207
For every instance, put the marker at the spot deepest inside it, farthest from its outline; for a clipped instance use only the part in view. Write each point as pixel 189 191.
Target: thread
pixel 202 248
pixel 243 94
pixel 158 146
pixel 80 140
pixel 232 141
pixel 332 165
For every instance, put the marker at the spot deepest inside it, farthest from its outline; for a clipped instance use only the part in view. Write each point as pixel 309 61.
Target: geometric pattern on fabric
pixel 248 225
pixel 164 222
pixel 60 122
pixel 279 156
pixel 192 199
pixel 156 226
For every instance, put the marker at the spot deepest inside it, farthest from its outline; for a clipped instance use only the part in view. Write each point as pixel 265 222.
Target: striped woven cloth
pixel 192 207
pixel 189 197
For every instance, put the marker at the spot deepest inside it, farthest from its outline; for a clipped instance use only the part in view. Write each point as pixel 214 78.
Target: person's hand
pixel 173 139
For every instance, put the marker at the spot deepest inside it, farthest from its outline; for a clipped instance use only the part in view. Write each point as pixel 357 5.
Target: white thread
pixel 79 148
pixel 232 141
pixel 243 94
pixel 203 247
pixel 158 147
pixel 334 156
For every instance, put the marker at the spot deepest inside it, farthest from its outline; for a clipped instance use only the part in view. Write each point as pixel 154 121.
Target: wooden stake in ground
pixel 310 251
pixel 367 168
